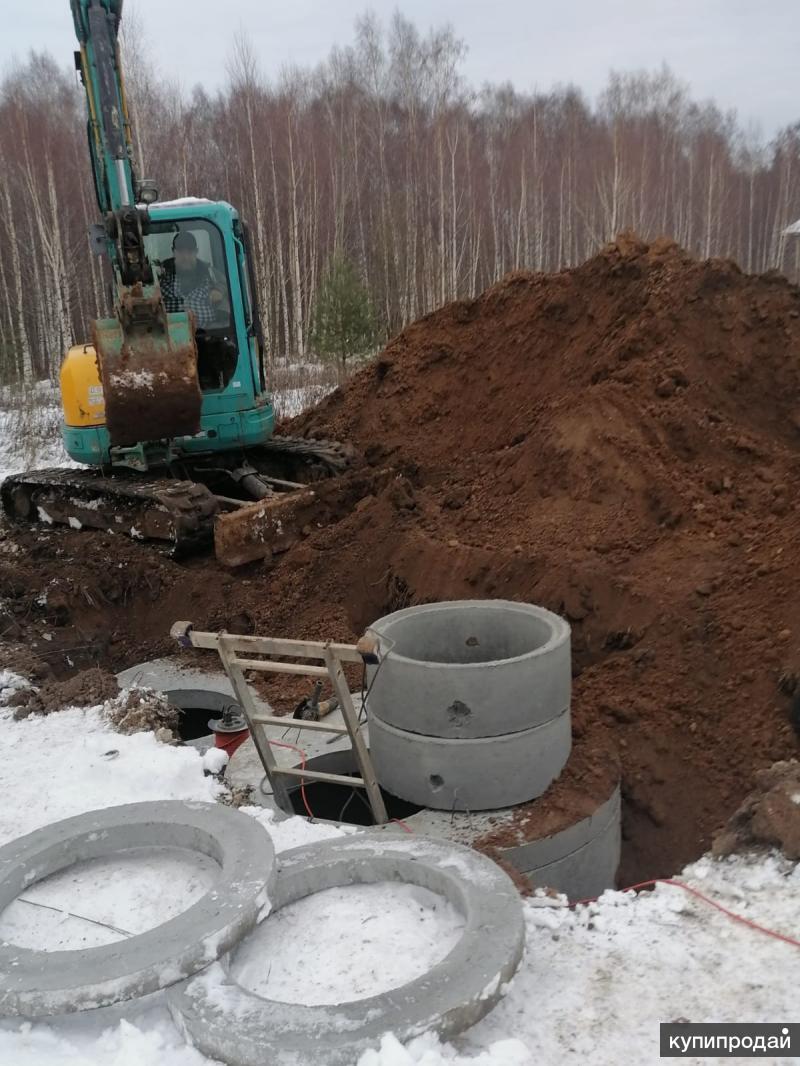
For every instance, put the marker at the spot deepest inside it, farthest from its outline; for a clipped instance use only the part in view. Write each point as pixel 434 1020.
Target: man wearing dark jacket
pixel 187 284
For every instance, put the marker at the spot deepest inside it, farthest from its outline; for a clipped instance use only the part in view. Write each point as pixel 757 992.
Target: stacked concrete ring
pixel 470 707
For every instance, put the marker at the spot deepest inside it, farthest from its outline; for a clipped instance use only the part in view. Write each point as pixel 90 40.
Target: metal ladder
pixel 232 650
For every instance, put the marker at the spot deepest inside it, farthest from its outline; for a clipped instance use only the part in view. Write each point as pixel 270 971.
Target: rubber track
pixel 190 507
pixel 333 454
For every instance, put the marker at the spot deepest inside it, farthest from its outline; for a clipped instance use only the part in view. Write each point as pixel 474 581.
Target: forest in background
pixel 385 157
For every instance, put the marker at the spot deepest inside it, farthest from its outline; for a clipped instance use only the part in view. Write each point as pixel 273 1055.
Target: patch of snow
pixel 83 907
pixel 31 439
pixel 57 766
pixel 182 201
pixel 348 943
pixel 75 523
pixel 428 1050
pixel 9 684
pixel 215 760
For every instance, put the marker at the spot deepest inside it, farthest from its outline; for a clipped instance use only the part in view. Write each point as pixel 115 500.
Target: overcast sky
pixel 743 53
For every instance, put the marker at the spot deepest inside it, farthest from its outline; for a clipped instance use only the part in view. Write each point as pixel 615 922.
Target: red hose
pixel 304 759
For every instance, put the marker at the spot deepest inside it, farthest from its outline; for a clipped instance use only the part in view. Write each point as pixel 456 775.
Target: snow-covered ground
pixel 30 429
pixel 593 987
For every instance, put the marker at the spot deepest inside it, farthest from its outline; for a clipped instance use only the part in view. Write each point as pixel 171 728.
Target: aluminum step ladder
pixel 237 655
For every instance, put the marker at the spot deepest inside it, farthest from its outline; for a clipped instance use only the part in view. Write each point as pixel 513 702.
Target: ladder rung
pixel 320 775
pixel 297 723
pixel 268 666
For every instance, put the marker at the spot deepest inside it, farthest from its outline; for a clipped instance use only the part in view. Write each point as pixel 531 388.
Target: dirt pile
pixel 769 817
pixel 139 709
pixel 86 689
pixel 619 443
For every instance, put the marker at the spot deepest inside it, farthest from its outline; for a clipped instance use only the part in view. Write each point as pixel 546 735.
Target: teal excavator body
pixel 180 364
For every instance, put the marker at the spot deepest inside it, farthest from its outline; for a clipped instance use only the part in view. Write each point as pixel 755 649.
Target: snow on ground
pixel 401 931
pixel 30 430
pixel 594 984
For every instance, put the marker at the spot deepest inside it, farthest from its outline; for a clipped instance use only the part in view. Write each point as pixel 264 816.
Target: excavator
pixel 168 408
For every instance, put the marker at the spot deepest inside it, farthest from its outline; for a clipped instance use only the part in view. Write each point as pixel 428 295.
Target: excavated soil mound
pixel 86 689
pixel 619 443
pixel 769 817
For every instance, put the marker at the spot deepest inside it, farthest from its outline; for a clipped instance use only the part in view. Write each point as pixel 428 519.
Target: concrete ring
pixel 464 669
pixel 227 1022
pixel 469 775
pixel 37 983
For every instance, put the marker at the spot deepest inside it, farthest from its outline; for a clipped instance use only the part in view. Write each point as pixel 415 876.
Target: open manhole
pixel 340 803
pixel 197 708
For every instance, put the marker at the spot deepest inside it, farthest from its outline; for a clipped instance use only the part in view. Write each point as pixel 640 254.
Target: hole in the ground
pixel 340 803
pixel 197 707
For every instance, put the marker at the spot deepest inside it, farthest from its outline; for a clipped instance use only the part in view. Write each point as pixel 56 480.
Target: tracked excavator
pixel 168 407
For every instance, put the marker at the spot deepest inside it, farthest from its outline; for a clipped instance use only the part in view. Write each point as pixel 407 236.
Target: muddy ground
pixel 619 442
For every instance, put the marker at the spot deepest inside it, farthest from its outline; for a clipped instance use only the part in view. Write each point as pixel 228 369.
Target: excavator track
pixel 178 513
pixel 331 455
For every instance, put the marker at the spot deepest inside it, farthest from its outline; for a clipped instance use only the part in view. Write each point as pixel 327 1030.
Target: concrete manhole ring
pixel 230 1023
pixel 37 983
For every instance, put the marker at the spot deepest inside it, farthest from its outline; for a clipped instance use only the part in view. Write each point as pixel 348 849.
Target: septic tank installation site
pixel 417 864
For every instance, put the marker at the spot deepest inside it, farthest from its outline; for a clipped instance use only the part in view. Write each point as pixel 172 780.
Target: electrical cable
pixel 706 899
pixel 304 759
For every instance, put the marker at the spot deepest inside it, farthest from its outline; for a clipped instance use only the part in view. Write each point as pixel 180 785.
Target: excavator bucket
pixel 268 527
pixel 148 369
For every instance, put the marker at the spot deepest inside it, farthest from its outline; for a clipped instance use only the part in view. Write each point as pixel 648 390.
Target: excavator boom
pixel 146 357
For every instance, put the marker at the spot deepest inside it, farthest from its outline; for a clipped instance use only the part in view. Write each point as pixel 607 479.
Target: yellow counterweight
pixel 81 392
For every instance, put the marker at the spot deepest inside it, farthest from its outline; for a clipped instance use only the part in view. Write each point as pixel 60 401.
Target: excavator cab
pixel 203 395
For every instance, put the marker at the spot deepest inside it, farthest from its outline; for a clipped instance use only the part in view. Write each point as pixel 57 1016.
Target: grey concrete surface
pixel 583 872
pixel 229 1023
pixel 473 775
pixel 166 675
pixel 37 983
pixel 471 668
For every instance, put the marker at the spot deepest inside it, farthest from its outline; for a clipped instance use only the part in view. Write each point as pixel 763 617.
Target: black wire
pixel 365 695
pixel 347 803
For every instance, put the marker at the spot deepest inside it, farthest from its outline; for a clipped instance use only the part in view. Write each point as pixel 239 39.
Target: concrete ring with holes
pixel 230 1023
pixel 38 983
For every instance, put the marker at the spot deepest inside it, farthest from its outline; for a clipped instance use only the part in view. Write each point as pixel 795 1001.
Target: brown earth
pixel 86 689
pixel 619 442
pixel 769 816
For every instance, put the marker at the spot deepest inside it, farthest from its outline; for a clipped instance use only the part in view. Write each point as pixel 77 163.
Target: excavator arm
pixel 147 358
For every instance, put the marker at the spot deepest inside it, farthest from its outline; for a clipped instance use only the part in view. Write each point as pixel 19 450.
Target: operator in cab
pixel 187 283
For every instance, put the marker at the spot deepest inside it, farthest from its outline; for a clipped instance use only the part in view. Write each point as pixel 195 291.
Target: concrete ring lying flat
pixel 37 983
pixel 227 1022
